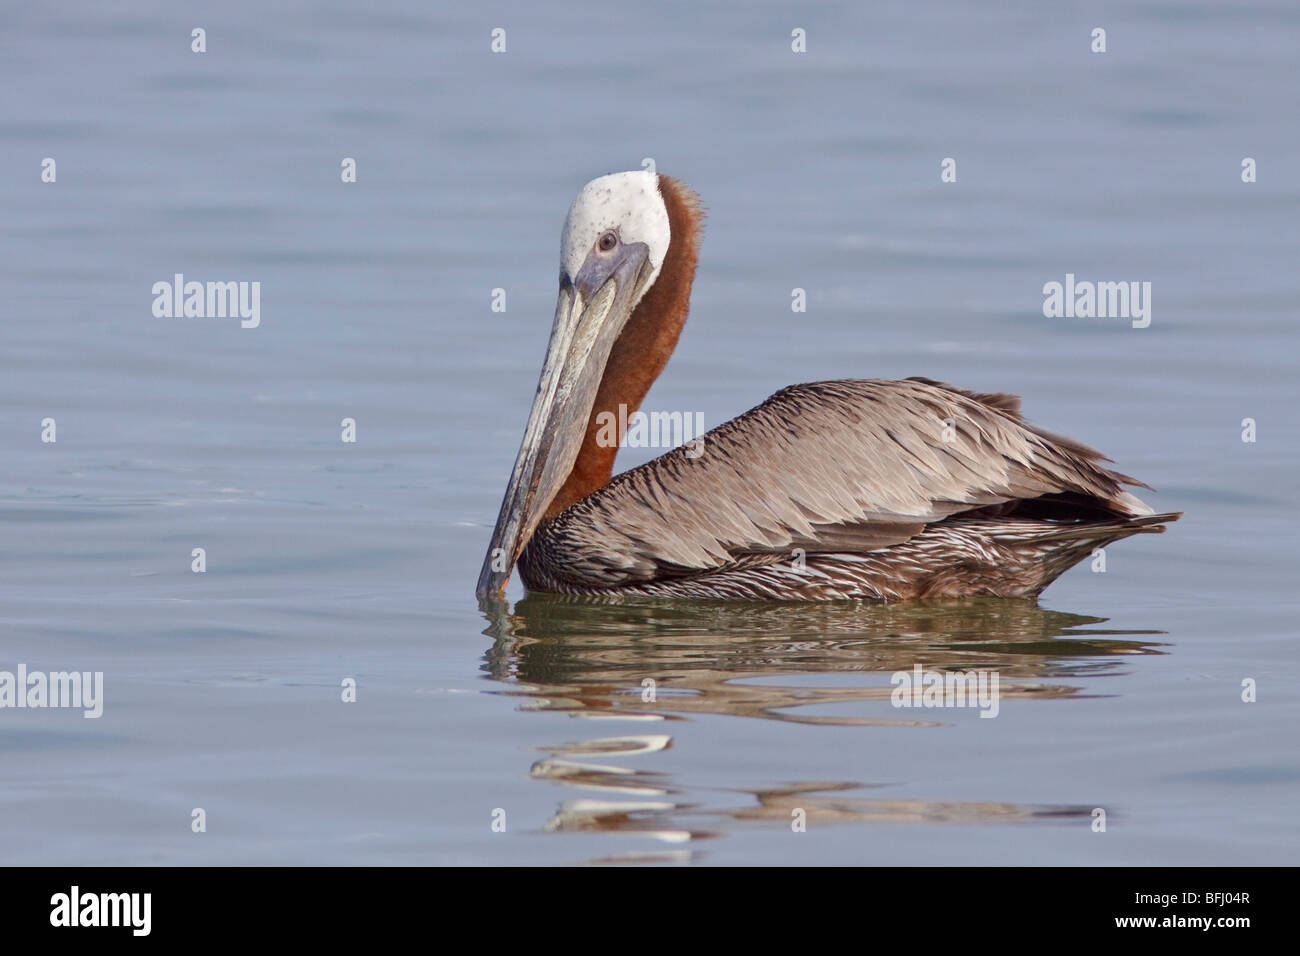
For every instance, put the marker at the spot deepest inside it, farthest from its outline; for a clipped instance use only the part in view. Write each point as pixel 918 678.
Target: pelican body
pixel 856 489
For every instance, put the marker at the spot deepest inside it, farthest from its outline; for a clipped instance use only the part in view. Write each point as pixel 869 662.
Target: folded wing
pixel 841 466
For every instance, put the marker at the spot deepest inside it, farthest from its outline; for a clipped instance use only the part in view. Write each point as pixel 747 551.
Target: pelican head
pixel 613 246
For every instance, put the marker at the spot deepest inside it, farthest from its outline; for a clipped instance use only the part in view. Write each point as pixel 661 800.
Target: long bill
pixel 585 329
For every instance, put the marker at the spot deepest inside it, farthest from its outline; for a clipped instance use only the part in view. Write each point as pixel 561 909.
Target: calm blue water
pixel 328 560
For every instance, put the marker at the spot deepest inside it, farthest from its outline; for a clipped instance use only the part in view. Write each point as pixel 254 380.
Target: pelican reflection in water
pixel 591 659
pixel 867 489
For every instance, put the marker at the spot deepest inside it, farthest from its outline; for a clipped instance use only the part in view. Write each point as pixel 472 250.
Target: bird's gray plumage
pixel 870 489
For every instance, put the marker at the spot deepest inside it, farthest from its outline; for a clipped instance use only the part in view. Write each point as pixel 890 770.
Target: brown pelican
pixel 877 490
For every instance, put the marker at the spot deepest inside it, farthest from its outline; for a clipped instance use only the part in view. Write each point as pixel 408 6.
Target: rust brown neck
pixel 643 348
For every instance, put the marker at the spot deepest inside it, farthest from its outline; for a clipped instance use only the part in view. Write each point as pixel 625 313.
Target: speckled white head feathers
pixel 627 203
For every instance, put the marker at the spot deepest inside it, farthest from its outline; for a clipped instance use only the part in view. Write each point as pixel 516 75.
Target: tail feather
pixel 1063 548
pixel 1111 530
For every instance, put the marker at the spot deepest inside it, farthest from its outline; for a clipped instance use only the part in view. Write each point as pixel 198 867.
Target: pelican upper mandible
pixel 867 489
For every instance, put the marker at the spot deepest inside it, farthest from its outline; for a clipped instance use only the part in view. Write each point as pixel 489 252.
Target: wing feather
pixel 851 465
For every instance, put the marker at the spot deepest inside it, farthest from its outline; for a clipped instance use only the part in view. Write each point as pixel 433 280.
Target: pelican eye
pixel 607 242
